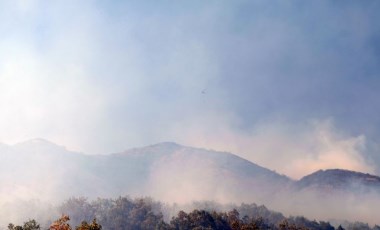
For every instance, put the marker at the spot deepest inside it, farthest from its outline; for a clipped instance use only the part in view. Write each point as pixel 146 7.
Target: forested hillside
pixel 144 213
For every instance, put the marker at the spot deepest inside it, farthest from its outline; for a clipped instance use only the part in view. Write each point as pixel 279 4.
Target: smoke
pixel 335 206
pixel 39 173
pixel 291 87
pixel 101 77
pixel 292 149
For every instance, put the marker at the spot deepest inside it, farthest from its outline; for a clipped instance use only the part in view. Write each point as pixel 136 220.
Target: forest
pixel 145 213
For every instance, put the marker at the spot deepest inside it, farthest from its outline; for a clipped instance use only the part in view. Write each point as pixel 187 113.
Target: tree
pixel 181 221
pixel 31 225
pixel 85 226
pixel 234 220
pixel 78 209
pixel 13 227
pixel 61 224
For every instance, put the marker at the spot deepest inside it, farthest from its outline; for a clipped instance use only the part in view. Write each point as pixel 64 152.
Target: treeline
pixel 144 213
pixel 60 224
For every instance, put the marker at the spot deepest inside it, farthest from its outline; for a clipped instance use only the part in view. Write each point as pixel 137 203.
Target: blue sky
pixel 287 80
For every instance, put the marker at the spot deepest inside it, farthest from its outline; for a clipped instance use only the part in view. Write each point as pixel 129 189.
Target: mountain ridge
pixel 167 145
pixel 172 146
pixel 170 172
pixel 339 179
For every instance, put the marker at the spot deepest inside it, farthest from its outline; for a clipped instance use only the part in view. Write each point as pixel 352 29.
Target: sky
pixel 291 85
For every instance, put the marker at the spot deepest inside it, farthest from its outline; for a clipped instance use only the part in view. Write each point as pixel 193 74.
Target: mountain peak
pixel 166 144
pixel 341 173
pixel 338 178
pixel 38 143
pixel 162 147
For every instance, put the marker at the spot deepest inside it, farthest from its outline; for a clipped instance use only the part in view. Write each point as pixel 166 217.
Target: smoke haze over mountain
pixel 101 77
pixel 293 87
pixel 38 174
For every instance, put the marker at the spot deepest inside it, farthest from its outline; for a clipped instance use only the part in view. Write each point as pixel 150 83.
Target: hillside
pixel 41 170
pixel 166 171
pixel 171 170
pixel 340 180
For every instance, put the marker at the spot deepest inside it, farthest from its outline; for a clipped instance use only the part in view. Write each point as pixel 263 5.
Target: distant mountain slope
pixel 334 194
pixel 166 171
pixel 163 169
pixel 39 169
pixel 172 170
pixel 339 180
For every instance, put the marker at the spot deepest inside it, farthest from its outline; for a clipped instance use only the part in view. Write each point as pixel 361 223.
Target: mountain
pixel 39 169
pixel 166 171
pixel 169 172
pixel 339 180
pixel 335 194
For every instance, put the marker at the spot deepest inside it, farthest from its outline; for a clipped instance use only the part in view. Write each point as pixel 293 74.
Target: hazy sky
pixel 291 85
